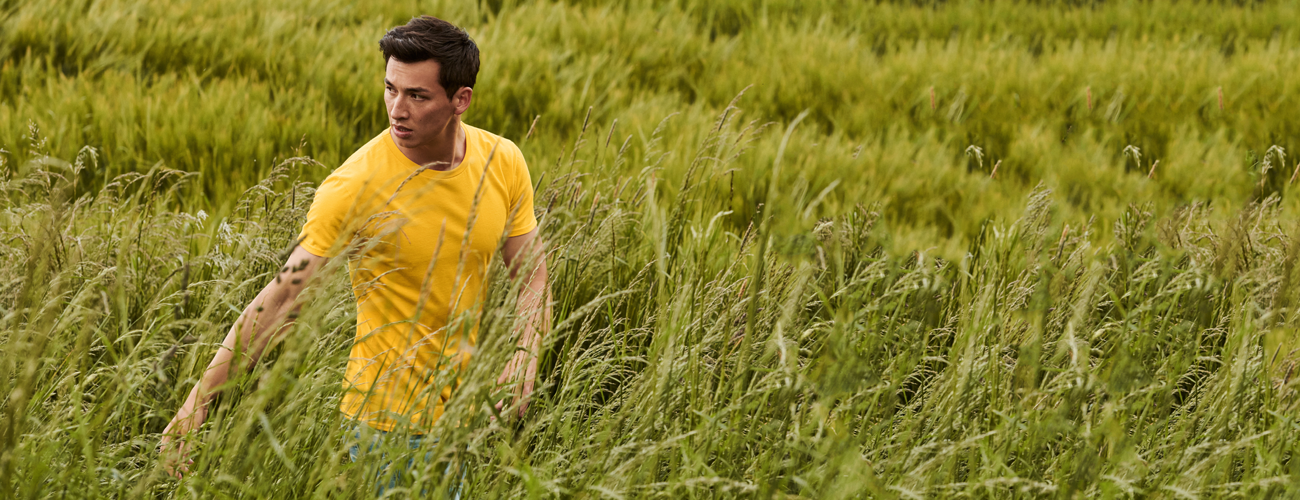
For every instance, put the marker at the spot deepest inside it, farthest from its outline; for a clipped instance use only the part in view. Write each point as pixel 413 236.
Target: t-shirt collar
pixel 472 155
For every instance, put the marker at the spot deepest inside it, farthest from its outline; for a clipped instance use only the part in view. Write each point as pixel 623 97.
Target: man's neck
pixel 444 153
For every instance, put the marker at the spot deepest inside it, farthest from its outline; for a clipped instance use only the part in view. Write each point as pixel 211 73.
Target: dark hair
pixel 427 37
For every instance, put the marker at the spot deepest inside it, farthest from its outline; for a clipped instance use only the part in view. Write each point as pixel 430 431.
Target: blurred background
pixel 897 94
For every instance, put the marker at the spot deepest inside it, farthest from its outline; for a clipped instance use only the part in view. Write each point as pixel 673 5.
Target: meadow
pixel 810 249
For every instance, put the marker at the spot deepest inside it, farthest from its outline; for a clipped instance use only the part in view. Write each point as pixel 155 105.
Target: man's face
pixel 419 110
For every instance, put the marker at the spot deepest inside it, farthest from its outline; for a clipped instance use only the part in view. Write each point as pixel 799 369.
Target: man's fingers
pixel 174 455
pixel 519 372
pixel 496 410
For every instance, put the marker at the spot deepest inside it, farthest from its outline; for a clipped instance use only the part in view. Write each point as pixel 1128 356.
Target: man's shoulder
pixel 496 145
pixel 360 171
pixel 366 155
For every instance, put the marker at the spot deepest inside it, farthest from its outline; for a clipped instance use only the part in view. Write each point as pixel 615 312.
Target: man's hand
pixel 174 448
pixel 525 253
pixel 524 387
pixel 260 322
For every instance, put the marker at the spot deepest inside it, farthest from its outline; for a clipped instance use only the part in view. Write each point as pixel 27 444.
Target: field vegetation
pixel 798 249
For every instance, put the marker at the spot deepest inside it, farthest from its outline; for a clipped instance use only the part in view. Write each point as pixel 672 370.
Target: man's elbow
pixel 540 275
pixel 279 299
pixel 533 273
pixel 284 302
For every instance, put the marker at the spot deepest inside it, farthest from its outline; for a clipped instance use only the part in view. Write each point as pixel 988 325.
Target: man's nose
pixel 397 110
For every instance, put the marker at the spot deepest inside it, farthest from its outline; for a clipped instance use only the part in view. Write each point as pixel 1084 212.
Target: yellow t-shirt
pixel 422 252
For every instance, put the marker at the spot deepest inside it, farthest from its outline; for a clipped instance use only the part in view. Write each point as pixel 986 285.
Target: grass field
pixel 799 249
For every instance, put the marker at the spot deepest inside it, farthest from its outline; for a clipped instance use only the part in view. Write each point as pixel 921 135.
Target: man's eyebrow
pixel 409 89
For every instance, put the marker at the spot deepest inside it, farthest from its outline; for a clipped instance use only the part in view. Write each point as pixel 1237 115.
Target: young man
pixel 419 211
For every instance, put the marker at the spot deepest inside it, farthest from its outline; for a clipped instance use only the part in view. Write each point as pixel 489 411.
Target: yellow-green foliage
pixel 817 289
pixel 224 87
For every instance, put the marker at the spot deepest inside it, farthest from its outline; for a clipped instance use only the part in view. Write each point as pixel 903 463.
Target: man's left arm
pixel 525 256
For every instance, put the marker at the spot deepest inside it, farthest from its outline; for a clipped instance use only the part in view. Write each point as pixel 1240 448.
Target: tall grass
pixel 688 360
pixel 810 290
pixel 228 87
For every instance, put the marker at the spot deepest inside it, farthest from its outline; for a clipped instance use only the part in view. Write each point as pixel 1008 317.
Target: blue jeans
pixel 397 475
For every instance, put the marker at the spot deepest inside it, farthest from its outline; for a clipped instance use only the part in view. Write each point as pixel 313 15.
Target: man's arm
pixel 526 254
pixel 266 316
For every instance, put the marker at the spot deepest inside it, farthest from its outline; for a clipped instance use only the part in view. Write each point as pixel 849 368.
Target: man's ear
pixel 461 99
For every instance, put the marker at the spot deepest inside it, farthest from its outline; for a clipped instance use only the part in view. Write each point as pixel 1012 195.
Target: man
pixel 419 211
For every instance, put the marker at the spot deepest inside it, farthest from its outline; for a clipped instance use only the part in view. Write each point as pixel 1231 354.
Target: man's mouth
pixel 401 131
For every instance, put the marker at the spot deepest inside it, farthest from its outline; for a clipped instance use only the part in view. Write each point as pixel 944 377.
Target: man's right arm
pixel 265 317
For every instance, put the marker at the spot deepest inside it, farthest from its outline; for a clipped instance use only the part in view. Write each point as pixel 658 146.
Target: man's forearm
pixel 258 324
pixel 534 307
pixel 526 254
pixel 247 339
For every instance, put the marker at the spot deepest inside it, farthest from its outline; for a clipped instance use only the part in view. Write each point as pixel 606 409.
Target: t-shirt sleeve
pixel 522 219
pixel 325 219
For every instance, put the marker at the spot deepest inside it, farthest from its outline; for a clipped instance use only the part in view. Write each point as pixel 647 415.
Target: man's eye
pixel 417 97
